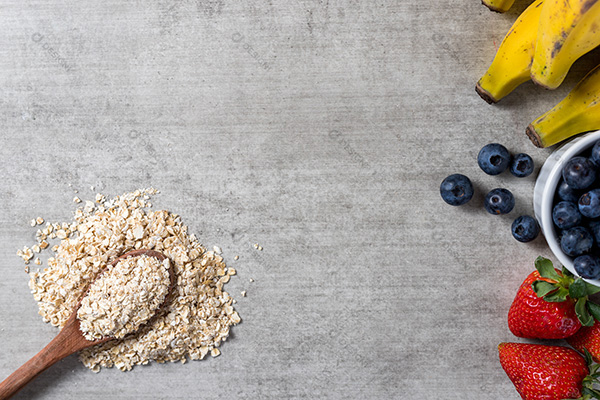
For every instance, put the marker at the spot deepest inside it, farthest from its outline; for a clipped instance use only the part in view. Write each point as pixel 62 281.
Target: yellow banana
pixel 578 112
pixel 498 5
pixel 512 63
pixel 567 30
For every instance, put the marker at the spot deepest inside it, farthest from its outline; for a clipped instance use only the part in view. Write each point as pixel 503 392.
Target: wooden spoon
pixel 68 341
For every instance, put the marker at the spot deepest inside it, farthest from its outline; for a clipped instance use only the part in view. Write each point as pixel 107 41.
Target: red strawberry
pixel 544 372
pixel 551 304
pixel 587 337
pixel 531 316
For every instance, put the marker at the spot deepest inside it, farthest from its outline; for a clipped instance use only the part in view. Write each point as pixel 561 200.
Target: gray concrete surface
pixel 318 129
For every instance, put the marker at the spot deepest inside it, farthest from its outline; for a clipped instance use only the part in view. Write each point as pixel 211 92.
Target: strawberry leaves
pixel 578 289
pixel 558 296
pixel 588 392
pixel 542 288
pixel 557 287
pixel 546 269
pixel 582 312
pixel 594 309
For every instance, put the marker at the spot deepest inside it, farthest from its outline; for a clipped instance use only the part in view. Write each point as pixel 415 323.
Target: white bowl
pixel 545 190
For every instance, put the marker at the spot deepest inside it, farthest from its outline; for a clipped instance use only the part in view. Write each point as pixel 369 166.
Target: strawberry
pixel 587 338
pixel 551 304
pixel 548 372
pixel 531 316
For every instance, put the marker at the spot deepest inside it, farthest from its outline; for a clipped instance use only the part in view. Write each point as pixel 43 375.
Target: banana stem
pixel 500 6
pixel 534 136
pixel 484 94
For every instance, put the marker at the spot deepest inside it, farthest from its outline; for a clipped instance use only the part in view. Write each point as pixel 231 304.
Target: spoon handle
pixel 64 344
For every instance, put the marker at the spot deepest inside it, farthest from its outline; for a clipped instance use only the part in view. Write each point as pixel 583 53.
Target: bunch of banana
pixel 542 45
pixel 578 112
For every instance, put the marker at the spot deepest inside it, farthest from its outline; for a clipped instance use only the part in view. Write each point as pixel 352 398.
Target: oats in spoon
pixel 124 297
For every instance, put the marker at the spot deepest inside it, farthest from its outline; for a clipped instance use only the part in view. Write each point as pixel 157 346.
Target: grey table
pixel 320 130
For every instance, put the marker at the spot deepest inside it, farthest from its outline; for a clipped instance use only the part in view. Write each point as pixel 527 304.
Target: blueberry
pixel 566 215
pixel 587 266
pixel 595 155
pixel 579 172
pixel 521 165
pixel 576 241
pixel 589 204
pixel 525 228
pixel 595 229
pixel 567 193
pixel 456 190
pixel 493 158
pixel 499 201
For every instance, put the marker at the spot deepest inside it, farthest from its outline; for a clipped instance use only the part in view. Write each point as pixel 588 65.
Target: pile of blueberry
pixel 576 212
pixel 494 159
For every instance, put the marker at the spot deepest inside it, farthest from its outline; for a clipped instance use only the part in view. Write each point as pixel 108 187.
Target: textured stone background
pixel 319 129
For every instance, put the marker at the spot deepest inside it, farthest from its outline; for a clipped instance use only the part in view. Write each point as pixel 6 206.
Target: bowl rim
pixel 545 188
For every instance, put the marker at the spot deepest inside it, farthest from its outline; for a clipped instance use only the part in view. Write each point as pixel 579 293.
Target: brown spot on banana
pixel 587 5
pixel 556 49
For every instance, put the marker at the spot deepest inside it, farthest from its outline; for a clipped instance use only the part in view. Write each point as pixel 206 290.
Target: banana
pixel 578 112
pixel 512 63
pixel 567 30
pixel 498 5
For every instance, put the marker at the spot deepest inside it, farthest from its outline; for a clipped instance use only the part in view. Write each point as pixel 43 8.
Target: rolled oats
pixel 124 297
pixel 193 320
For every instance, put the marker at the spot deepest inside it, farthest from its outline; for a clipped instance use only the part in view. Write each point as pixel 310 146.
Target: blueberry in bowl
pixel 589 204
pixel 587 266
pixel 595 154
pixel 579 172
pixel 576 241
pixel 594 227
pixel 567 193
pixel 570 172
pixel 566 215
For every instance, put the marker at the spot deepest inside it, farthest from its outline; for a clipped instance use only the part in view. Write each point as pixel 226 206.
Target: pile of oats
pixel 197 314
pixel 124 297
